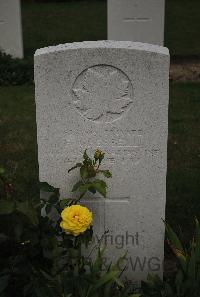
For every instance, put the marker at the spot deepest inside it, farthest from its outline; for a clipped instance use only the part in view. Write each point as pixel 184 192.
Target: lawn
pixel 182 28
pixel 18 145
pixel 183 179
pixel 18 149
pixel 53 23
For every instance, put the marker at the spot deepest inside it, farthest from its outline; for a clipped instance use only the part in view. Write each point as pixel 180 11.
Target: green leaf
pixel 173 238
pixel 100 186
pixel 181 258
pixel 119 262
pixel 48 208
pixel 84 188
pixel 47 188
pixel 87 159
pixel 92 190
pixel 85 155
pixel 169 290
pixel 197 239
pixel 4 282
pixel 6 207
pixel 191 266
pixel 77 186
pixel 29 211
pixel 76 166
pixel 119 282
pixel 176 246
pixel 179 280
pixel 53 199
pixel 106 173
pixel 84 172
pixel 97 265
pixel 2 171
pixel 197 231
pixel 66 202
pixel 106 278
pixel 154 279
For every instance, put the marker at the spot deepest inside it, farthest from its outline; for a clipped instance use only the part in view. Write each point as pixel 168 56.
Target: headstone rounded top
pixel 103 44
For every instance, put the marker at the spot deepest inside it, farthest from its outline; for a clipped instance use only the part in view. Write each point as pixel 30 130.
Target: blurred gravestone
pixel 10 28
pixel 136 20
pixel 112 96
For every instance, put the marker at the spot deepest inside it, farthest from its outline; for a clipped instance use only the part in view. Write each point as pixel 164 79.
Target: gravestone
pixel 136 20
pixel 112 96
pixel 10 28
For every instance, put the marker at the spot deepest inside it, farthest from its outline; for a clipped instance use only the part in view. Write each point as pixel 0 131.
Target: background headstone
pixel 10 28
pixel 136 20
pixel 112 96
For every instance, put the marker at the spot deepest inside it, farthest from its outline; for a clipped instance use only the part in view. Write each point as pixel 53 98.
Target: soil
pixel 186 70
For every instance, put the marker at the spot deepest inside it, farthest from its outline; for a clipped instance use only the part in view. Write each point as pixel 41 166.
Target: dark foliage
pixel 15 71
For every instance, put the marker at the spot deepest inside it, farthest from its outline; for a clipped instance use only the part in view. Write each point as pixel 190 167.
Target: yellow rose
pixel 98 154
pixel 76 219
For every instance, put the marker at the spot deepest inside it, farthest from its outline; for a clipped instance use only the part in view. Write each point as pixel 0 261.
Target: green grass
pixel 18 146
pixel 183 182
pixel 18 149
pixel 183 27
pixel 47 24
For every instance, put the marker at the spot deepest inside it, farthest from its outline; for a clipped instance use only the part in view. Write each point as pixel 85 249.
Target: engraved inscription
pixel 109 199
pixel 137 19
pixel 102 93
pixel 124 156
pixel 112 136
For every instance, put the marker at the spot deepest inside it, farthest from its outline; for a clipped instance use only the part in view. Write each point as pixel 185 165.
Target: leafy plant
pixel 28 245
pixel 43 256
pixel 15 71
pixel 186 281
pixel 38 258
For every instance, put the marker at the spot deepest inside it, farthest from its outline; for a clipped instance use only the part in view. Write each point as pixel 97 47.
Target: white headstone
pixel 10 28
pixel 113 96
pixel 136 20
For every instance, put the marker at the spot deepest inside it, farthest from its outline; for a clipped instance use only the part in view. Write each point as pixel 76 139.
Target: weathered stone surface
pixel 112 96
pixel 136 20
pixel 10 28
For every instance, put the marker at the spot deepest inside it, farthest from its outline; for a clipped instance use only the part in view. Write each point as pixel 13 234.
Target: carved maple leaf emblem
pixel 102 93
